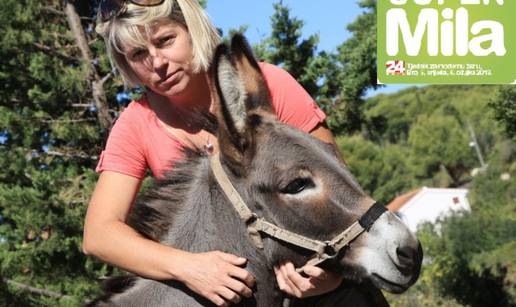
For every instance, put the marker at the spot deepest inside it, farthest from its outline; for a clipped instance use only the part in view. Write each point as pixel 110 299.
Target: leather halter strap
pixel 256 225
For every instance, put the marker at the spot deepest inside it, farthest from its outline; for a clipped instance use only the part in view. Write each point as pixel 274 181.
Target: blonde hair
pixel 133 27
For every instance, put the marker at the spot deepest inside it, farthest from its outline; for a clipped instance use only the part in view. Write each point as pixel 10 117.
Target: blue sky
pixel 328 18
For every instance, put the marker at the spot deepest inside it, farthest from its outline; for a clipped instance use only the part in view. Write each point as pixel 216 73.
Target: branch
pixel 81 105
pixel 99 96
pixel 81 155
pixel 51 51
pixel 82 120
pixel 93 41
pixel 105 78
pixel 35 290
pixel 53 10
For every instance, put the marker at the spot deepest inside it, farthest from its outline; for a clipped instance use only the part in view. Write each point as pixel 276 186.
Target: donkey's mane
pixel 154 212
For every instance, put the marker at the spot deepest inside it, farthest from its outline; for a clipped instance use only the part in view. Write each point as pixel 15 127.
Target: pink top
pixel 138 141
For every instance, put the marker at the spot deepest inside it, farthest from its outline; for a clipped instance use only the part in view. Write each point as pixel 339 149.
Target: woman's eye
pixel 167 40
pixel 137 55
pixel 298 185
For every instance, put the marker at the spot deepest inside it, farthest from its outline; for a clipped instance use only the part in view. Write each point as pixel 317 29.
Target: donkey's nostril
pixel 406 257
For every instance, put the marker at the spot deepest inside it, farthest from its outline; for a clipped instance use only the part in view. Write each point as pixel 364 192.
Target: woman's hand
pixel 217 276
pixel 318 281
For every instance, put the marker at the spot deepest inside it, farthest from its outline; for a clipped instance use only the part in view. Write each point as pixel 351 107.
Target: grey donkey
pixel 285 176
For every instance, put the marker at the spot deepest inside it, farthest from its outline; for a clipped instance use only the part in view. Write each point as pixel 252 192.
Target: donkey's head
pixel 295 181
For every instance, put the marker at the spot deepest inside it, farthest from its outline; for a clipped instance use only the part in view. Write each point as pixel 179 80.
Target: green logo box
pixel 446 41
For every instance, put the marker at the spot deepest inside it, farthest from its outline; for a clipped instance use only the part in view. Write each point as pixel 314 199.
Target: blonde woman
pixel 166 46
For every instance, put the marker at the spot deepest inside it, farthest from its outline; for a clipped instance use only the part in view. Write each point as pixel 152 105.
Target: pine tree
pixel 504 106
pixel 54 115
pixel 337 81
pixel 357 59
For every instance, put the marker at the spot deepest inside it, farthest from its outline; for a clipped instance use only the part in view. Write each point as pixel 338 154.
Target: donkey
pixel 284 176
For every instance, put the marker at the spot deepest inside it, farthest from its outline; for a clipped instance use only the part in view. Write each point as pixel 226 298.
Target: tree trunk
pixel 97 83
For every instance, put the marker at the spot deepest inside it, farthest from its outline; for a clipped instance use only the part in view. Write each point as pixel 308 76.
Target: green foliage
pixel 337 81
pixel 440 141
pixel 286 48
pixel 420 136
pixel 357 59
pixel 422 294
pixel 50 143
pixel 381 171
pixel 498 264
pixel 203 3
pixel 504 106
pixel 473 255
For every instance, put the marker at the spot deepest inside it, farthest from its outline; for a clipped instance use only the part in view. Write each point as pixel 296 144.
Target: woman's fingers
pixel 219 277
pixel 301 283
pixel 239 287
pixel 318 281
pixel 233 259
pixel 243 275
pixel 217 300
pixel 228 295
pixel 294 290
pixel 282 283
pixel 314 271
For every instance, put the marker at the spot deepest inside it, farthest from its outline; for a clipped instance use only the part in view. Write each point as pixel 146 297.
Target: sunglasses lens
pixel 147 2
pixel 109 8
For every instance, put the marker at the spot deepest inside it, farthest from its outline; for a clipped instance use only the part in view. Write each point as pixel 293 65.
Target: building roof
pixel 401 200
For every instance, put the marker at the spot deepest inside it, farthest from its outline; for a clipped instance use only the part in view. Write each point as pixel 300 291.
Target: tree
pixel 440 142
pixel 383 171
pixel 504 106
pixel 357 60
pixel 336 81
pixel 53 117
pixel 286 48
pixel 473 254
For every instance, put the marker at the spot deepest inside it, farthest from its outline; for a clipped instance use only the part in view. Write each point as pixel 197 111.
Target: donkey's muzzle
pixel 409 259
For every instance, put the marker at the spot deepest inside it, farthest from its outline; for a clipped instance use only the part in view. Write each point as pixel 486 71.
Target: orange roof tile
pixel 401 200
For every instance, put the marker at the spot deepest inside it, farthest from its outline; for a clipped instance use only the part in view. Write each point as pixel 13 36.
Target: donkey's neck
pixel 205 221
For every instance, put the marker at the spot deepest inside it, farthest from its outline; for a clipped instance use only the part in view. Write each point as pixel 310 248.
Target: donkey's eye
pixel 298 185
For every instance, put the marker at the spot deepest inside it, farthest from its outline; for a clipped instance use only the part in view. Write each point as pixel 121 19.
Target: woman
pixel 166 46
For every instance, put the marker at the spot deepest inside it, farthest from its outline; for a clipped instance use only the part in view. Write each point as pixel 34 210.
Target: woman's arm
pixel 215 275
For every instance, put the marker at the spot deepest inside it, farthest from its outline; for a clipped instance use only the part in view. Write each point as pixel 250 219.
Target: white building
pixel 428 204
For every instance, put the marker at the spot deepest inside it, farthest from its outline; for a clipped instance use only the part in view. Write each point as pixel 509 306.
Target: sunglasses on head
pixel 112 8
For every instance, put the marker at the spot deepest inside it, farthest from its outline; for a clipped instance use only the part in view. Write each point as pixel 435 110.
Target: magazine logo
pixel 446 41
pixel 396 67
pixel 449 30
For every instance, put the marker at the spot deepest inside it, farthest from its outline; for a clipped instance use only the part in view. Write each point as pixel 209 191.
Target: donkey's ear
pixel 240 96
pixel 258 96
pixel 239 82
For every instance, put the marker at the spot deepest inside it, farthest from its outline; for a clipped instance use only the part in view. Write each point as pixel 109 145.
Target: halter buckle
pixel 329 251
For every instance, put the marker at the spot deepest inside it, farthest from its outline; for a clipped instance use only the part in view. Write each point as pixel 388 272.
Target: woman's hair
pixel 136 24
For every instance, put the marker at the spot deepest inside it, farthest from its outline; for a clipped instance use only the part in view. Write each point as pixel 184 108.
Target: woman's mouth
pixel 171 79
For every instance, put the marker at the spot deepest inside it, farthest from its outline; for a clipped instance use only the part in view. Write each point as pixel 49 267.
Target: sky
pixel 328 18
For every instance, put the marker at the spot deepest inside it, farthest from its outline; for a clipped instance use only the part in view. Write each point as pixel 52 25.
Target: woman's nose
pixel 158 61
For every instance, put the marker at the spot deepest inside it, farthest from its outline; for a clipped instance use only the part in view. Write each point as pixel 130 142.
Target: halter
pixel 256 225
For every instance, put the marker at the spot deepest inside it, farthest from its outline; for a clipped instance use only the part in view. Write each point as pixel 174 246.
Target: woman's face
pixel 164 64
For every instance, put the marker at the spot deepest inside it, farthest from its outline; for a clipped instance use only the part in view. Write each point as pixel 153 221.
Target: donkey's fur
pixel 262 157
